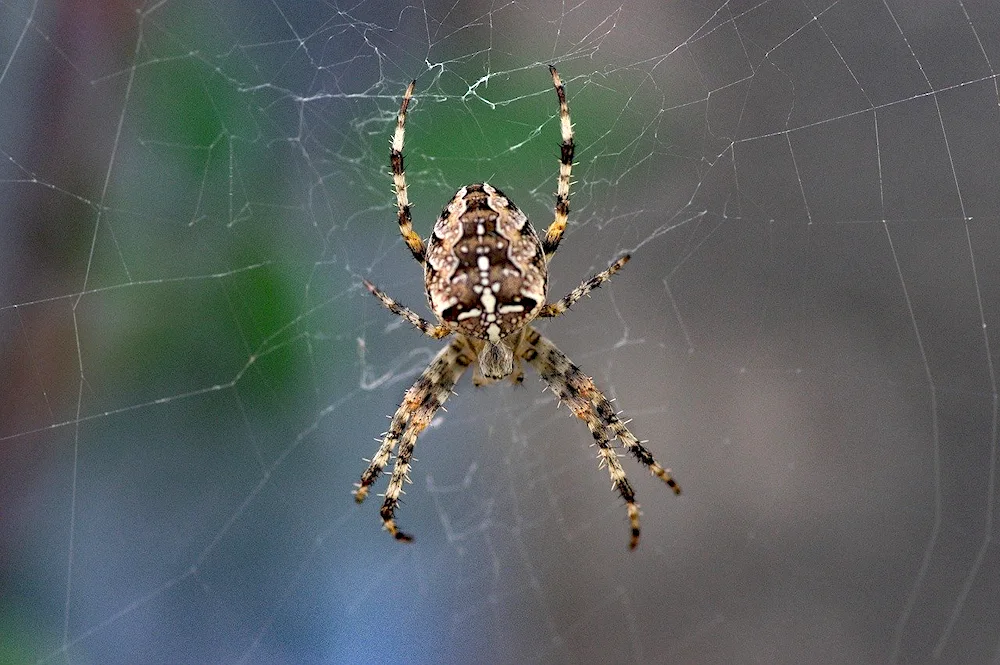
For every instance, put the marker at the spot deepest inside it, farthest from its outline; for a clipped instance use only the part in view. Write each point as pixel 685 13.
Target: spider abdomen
pixel 486 274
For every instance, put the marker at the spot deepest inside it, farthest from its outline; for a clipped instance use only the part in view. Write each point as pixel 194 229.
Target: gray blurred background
pixel 191 372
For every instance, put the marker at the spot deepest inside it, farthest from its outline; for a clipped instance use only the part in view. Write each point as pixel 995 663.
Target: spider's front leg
pixel 404 216
pixel 556 229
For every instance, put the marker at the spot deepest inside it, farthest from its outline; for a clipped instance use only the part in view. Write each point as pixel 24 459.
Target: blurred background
pixel 191 372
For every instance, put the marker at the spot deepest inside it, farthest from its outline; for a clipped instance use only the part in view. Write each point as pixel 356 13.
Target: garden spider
pixel 486 276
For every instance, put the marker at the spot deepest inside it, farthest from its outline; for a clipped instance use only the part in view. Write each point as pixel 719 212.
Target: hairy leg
pixel 573 389
pixel 555 231
pixel 437 393
pixel 424 326
pixel 422 392
pixel 560 306
pixel 413 241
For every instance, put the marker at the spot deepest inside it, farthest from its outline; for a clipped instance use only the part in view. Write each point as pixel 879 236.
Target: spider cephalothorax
pixel 486 277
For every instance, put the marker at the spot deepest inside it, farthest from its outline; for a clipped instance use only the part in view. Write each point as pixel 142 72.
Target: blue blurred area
pixel 191 373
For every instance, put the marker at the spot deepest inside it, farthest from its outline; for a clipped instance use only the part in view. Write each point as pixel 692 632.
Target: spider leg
pixel 555 231
pixel 413 241
pixel 426 327
pixel 415 396
pixel 559 307
pixel 575 389
pixel 435 384
pixel 629 441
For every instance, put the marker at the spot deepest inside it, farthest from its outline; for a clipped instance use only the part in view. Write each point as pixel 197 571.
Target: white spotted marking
pixel 506 309
pixel 484 263
pixel 480 229
pixel 471 314
pixel 494 333
pixel 489 301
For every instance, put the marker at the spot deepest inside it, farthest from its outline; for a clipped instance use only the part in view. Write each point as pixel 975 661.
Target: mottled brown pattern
pixel 481 222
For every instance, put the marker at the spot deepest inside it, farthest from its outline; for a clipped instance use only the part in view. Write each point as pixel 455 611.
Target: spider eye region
pixel 486 274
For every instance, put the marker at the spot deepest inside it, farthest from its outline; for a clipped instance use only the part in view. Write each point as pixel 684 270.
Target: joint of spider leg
pixel 566 152
pixel 396 160
pixel 562 204
pixel 391 527
pixel 633 518
pixel 406 98
pixel 624 488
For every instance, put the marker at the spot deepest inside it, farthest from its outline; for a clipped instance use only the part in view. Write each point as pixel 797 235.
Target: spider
pixel 486 277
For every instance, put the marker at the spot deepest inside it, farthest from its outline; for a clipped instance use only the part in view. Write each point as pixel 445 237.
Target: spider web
pixel 192 373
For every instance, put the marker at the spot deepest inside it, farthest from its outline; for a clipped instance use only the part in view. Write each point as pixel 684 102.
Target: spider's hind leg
pixel 421 402
pixel 630 442
pixel 578 392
